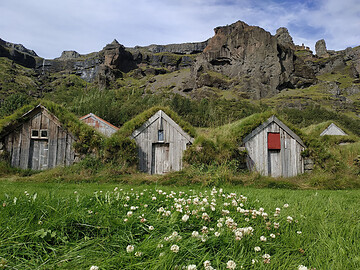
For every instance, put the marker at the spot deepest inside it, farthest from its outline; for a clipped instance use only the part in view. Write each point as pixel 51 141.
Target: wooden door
pixel 160 162
pixel 38 154
pixel 274 163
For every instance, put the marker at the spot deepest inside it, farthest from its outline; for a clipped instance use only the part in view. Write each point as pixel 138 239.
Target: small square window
pixel 43 133
pixel 160 135
pixel 34 133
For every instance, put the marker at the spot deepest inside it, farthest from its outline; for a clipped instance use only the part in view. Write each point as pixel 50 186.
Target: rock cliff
pixel 256 61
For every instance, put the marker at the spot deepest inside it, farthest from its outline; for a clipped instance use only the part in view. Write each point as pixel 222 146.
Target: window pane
pixel 160 135
pixel 43 133
pixel 34 133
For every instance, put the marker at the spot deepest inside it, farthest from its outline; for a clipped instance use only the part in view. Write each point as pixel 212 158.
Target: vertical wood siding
pixel 40 154
pixel 169 156
pixel 285 162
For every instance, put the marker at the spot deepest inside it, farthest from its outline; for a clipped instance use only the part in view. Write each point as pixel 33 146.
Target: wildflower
pixel 151 228
pixel 15 199
pixel 231 264
pixel 138 254
pixel 94 267
pixel 207 264
pixel 126 220
pixel 116 189
pixel 253 261
pixel 266 258
pixel 195 234
pixel 174 248
pixel 161 254
pixel 160 246
pixel 302 267
pixel 185 218
pixel 276 225
pixel 286 205
pixel 129 213
pixel 191 267
pixel 219 225
pixel 289 219
pixel 217 234
pixel 299 232
pixel 257 249
pixel 263 238
pixel 272 235
pixel 130 248
pixel 153 198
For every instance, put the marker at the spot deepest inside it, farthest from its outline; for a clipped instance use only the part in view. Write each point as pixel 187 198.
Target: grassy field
pixel 76 226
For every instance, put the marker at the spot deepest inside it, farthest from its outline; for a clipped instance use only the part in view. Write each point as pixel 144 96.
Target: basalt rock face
pixel 103 66
pixel 184 48
pixel 18 53
pixel 256 61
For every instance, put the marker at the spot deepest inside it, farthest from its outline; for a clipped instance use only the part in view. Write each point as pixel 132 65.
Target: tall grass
pixel 75 226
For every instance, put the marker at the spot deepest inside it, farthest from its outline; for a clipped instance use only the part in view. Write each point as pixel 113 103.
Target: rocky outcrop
pixel 284 38
pixel 69 55
pixel 254 59
pixel 320 49
pixel 183 48
pixel 18 53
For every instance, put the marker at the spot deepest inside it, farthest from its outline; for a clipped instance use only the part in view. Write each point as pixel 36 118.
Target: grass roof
pixel 129 127
pixel 87 139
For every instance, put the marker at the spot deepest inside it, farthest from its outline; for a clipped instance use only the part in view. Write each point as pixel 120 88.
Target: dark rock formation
pixel 184 48
pixel 18 53
pixel 320 48
pixel 254 59
pixel 69 55
pixel 284 38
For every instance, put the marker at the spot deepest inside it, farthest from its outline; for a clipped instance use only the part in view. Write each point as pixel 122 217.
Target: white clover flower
pixel 151 228
pixel 219 225
pixel 289 219
pixel 266 256
pixel 253 261
pixel 160 245
pixel 174 248
pixel 263 238
pixel 130 248
pixel 276 225
pixel 207 264
pixel 129 213
pixel 286 205
pixel 153 198
pixel 138 254
pixel 195 234
pixel 257 249
pixel 299 232
pixel 94 267
pixel 272 235
pixel 217 234
pixel 126 220
pixel 191 267
pixel 161 254
pixel 231 264
pixel 185 218
pixel 302 267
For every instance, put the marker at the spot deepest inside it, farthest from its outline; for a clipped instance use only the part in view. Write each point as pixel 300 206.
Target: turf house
pixel 99 124
pixel 161 143
pixel 274 150
pixel 332 130
pixel 39 138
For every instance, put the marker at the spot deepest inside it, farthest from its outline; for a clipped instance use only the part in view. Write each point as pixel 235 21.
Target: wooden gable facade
pixel 161 143
pixel 38 141
pixel 99 124
pixel 332 130
pixel 274 150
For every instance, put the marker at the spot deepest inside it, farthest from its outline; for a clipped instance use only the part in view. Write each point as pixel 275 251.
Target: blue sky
pixel 52 26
